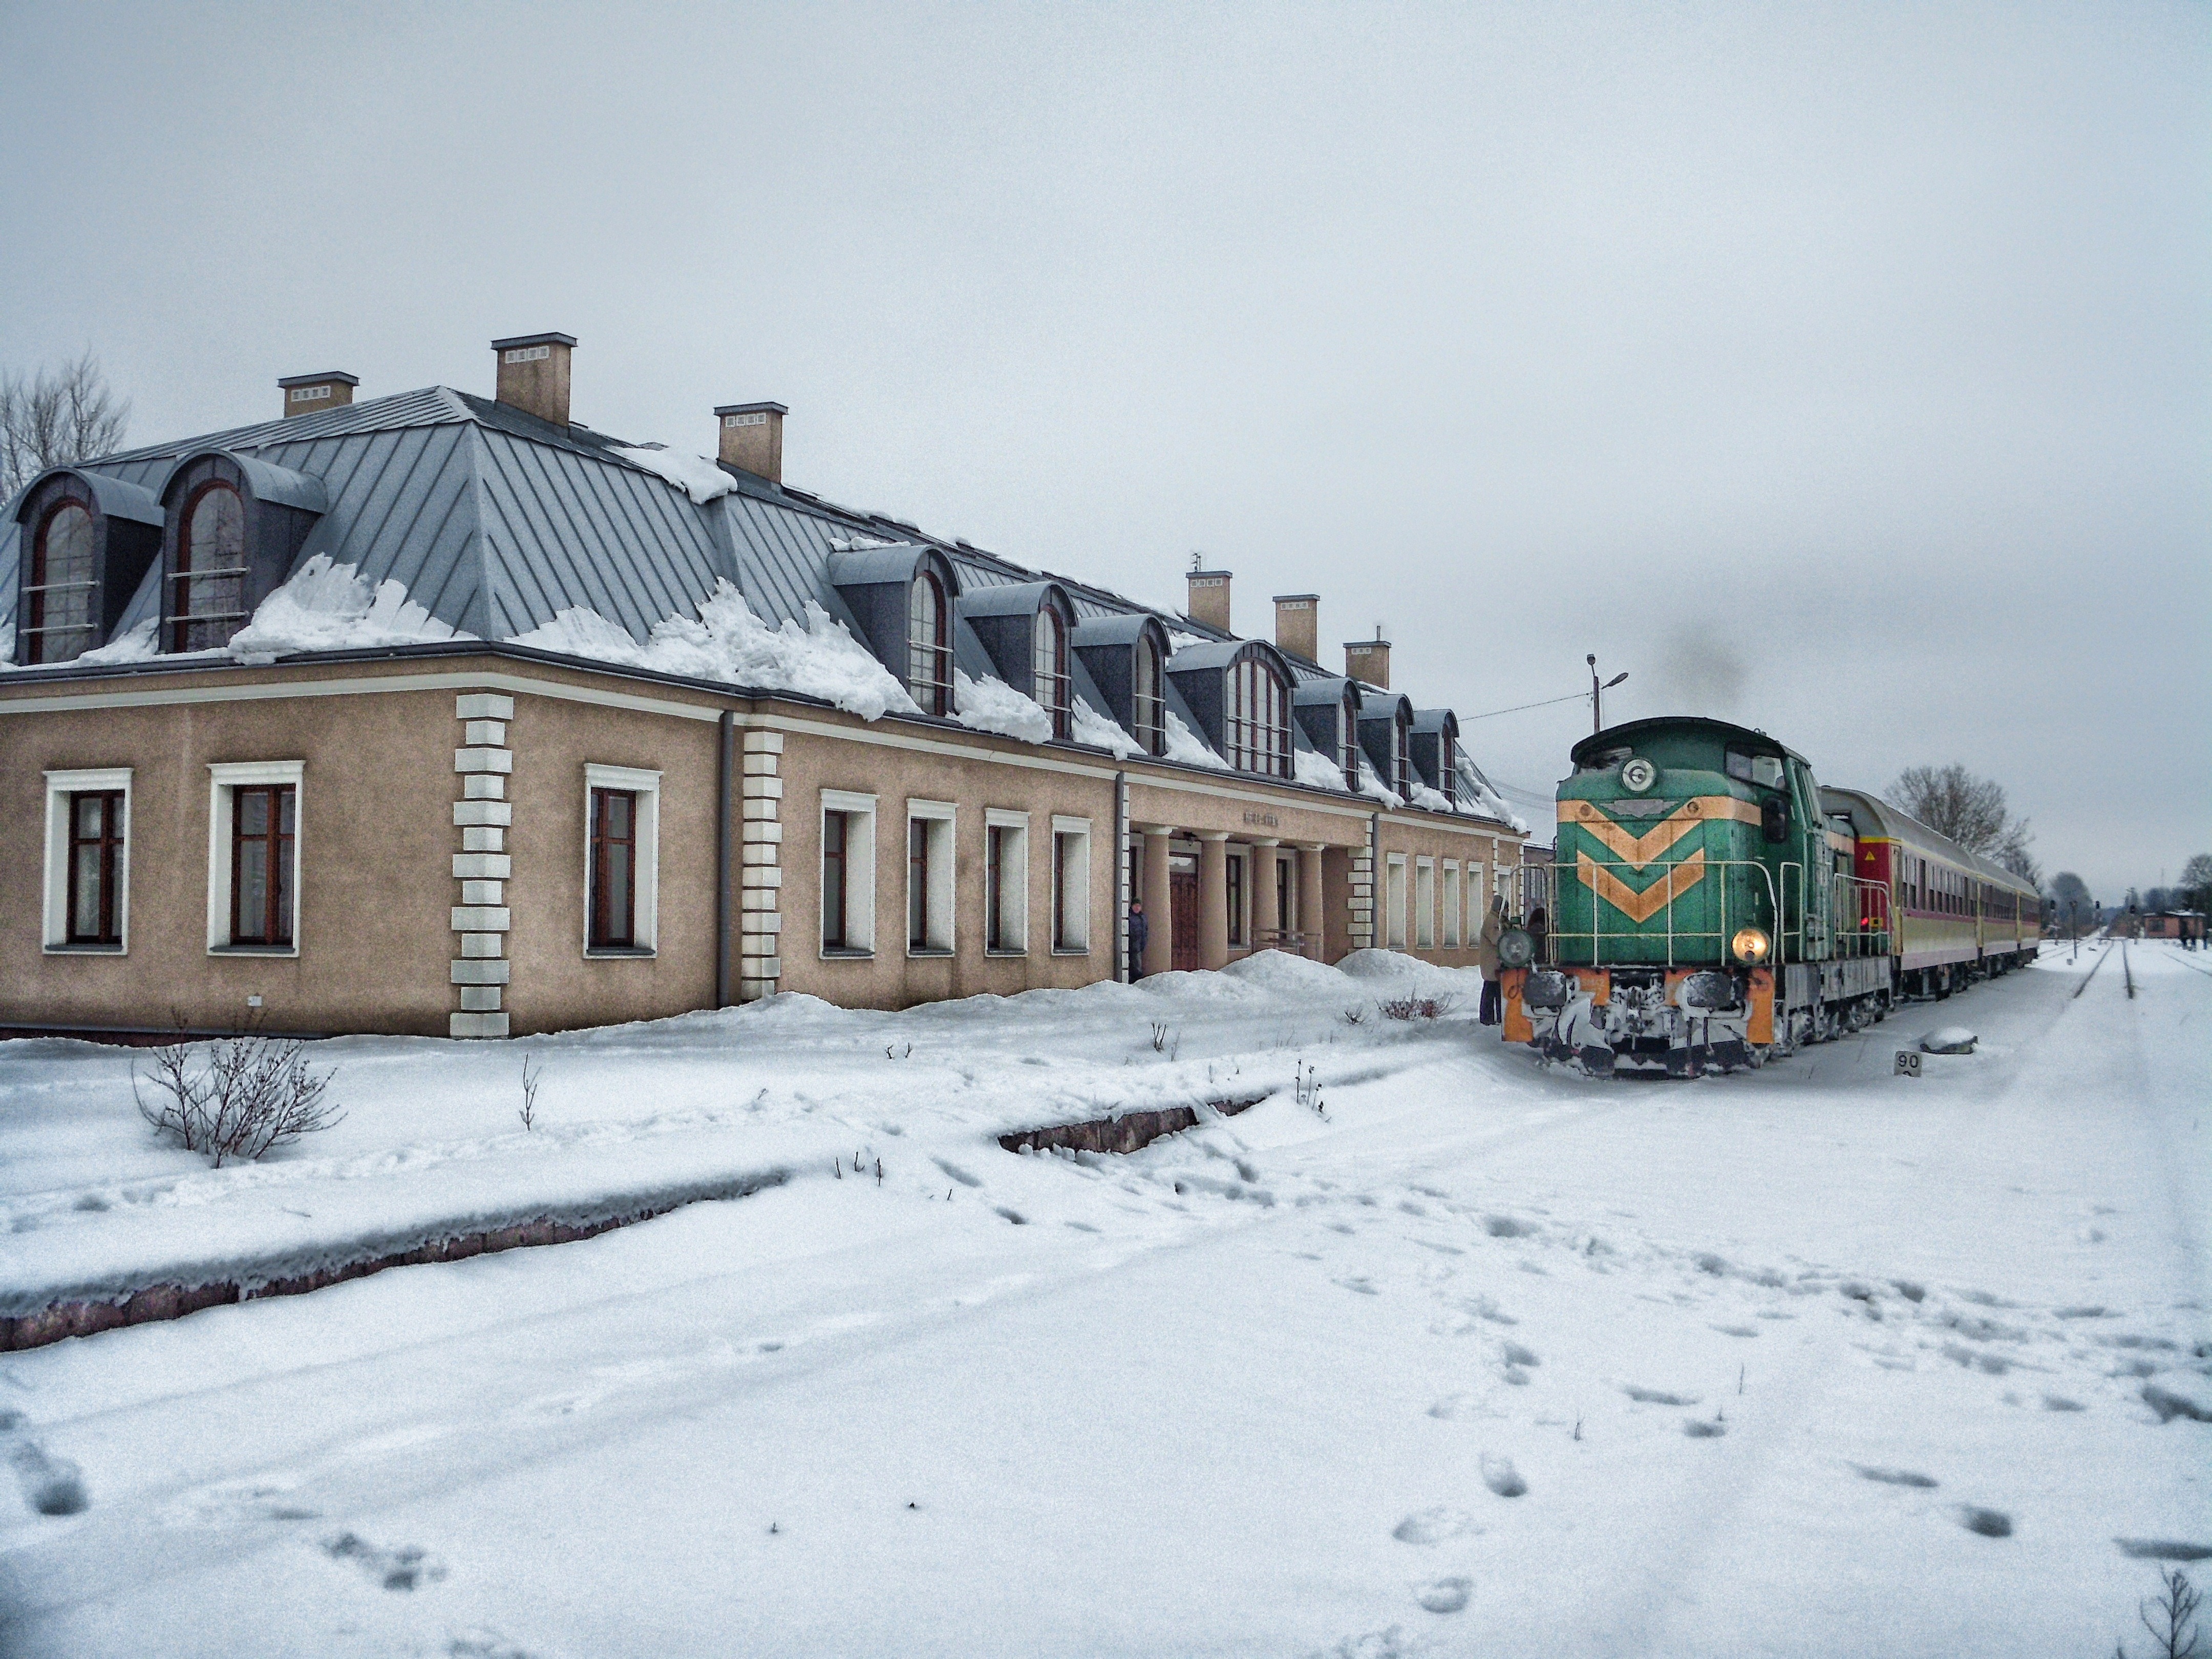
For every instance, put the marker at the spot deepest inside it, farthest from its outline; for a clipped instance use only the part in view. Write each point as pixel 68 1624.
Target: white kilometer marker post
pixel 1908 1063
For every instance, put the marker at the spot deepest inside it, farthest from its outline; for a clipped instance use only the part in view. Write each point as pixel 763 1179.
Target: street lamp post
pixel 1597 694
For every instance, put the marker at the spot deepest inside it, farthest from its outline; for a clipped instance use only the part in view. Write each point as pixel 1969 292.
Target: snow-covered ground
pixel 1485 1360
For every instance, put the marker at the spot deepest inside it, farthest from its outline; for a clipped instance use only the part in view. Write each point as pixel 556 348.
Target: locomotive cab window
pixel 1608 759
pixel 1764 770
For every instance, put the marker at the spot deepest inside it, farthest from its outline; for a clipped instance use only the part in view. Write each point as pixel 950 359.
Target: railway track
pixel 2092 973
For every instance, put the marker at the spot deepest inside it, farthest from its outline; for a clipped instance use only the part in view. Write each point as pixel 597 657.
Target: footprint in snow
pixel 1514 1354
pixel 956 1172
pixel 1435 1526
pixel 1359 1282
pixel 1504 1226
pixel 1988 1523
pixel 1657 1396
pixel 402 1567
pixel 481 1644
pixel 1443 1595
pixel 1502 1477
pixel 1895 1477
pixel 52 1485
pixel 2163 1549
pixel 1700 1428
pixel 234 1502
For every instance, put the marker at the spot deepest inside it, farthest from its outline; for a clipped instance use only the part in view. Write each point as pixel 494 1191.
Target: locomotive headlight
pixel 1638 774
pixel 1751 945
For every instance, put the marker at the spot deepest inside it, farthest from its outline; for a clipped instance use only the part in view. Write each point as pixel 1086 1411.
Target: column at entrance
pixel 1159 936
pixel 1266 914
pixel 1310 913
pixel 1213 899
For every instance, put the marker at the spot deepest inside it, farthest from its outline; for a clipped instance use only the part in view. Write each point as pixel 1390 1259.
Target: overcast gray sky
pixel 1841 370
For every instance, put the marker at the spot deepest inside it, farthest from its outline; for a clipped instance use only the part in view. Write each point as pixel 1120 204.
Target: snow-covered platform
pixel 1477 1357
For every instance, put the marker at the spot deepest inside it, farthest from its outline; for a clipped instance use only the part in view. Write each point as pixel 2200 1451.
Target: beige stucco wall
pixel 377 742
pixel 375 882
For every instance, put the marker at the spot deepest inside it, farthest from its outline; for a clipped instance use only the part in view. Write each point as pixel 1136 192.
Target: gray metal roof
pixel 495 521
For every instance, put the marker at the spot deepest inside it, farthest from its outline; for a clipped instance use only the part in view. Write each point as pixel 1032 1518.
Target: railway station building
pixel 445 714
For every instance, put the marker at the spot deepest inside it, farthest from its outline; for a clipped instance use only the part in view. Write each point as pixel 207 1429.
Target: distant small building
pixel 2174 924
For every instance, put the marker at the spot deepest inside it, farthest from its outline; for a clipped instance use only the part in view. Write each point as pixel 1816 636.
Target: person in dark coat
pixel 1140 930
pixel 1536 933
pixel 1492 1009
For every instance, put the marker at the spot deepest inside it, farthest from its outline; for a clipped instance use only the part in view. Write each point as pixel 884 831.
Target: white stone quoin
pixel 482 867
pixel 760 922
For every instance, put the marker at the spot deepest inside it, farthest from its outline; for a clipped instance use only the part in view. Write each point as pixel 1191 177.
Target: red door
pixel 1183 908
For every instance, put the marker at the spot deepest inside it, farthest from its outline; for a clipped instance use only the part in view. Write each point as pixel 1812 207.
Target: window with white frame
pixel 1071 885
pixel 253 856
pixel 1005 882
pixel 1451 904
pixel 849 873
pixel 1257 719
pixel 1396 905
pixel 929 878
pixel 1424 903
pixel 622 862
pixel 88 863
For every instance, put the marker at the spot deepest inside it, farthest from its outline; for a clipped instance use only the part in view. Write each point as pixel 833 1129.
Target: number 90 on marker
pixel 1908 1063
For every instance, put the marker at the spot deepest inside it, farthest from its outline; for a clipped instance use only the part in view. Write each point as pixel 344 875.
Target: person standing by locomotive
pixel 1493 929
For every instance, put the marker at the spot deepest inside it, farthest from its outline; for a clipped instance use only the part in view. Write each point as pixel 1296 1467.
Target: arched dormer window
pixel 1257 723
pixel 1048 668
pixel 1148 700
pixel 929 645
pixel 1401 759
pixel 86 542
pixel 208 602
pixel 1347 737
pixel 58 620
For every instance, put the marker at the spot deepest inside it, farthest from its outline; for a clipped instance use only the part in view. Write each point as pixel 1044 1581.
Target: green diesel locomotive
pixel 1711 906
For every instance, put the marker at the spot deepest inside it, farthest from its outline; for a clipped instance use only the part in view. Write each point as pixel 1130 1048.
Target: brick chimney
pixel 1368 659
pixel 753 437
pixel 534 374
pixel 1209 598
pixel 1297 625
pixel 311 394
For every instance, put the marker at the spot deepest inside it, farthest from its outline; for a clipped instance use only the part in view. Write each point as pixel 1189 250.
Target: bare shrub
pixel 531 1078
pixel 2170 1617
pixel 235 1098
pixel 1418 1007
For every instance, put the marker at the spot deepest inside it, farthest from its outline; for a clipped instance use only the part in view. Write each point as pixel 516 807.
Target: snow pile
pixel 1948 1040
pixel 1486 799
pixel 857 543
pixel 329 607
pixel 1434 799
pixel 1183 745
pixel 1087 725
pixel 1310 766
pixel 729 644
pixel 695 475
pixel 1372 785
pixel 991 705
pixel 139 645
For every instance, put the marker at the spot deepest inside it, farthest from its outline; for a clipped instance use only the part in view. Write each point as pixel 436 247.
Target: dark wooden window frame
pixel 917 883
pixel 608 907
pixel 35 626
pixel 1054 690
pixel 837 875
pixel 107 849
pixel 181 617
pixel 1233 886
pixel 274 928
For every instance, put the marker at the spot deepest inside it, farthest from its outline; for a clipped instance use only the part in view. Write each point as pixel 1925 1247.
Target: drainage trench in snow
pixel 159 1302
pixel 1125 1133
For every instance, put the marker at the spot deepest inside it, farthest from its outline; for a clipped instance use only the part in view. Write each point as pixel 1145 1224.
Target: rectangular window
pixel 1396 880
pixel 264 821
pixel 834 877
pixel 96 852
pixel 1287 892
pixel 929 878
pixel 614 868
pixel 1005 882
pixel 849 873
pixel 1235 899
pixel 87 860
pixel 1425 904
pixel 1451 906
pixel 621 836
pixel 253 856
pixel 1071 885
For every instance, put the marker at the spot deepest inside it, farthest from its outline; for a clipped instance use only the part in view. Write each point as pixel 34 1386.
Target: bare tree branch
pixel 1973 812
pixel 56 416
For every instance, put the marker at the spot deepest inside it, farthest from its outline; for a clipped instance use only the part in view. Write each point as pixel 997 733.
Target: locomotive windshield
pixel 1764 770
pixel 1605 760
